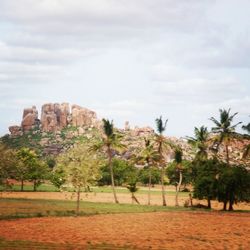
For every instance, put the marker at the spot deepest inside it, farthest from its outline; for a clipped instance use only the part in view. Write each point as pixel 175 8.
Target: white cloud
pixel 129 60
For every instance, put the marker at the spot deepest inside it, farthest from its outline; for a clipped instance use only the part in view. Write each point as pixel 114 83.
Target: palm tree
pixel 246 152
pixel 161 143
pixel 246 128
pixel 149 155
pixel 110 142
pixel 199 142
pixel 224 129
pixel 178 161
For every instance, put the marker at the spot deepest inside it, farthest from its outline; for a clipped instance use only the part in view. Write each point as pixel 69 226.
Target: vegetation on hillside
pixel 105 157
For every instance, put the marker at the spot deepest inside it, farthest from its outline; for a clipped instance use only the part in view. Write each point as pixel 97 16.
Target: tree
pixel 7 164
pixel 246 152
pixel 121 170
pixel 81 169
pixel 110 142
pixel 246 128
pixel 131 186
pixel 178 161
pixel 153 171
pixel 38 172
pixel 58 177
pixel 224 129
pixel 233 185
pixel 148 156
pixel 27 158
pixel 206 180
pixel 199 142
pixel 162 145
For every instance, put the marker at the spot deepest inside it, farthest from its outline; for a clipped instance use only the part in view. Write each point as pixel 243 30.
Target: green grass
pixel 104 189
pixel 12 208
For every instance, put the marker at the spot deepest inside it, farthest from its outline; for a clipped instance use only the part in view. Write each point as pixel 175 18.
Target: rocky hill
pixel 60 126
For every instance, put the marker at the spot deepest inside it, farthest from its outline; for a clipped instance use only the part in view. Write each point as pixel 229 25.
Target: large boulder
pixel 82 116
pixel 54 116
pixel 30 119
pixel 15 130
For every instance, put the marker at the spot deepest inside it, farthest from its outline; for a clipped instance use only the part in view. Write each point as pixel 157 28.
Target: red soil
pixel 168 230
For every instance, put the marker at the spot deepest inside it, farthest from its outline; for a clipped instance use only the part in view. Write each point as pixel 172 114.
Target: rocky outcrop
pixel 30 119
pixel 15 130
pixel 55 117
pixel 142 131
pixel 82 116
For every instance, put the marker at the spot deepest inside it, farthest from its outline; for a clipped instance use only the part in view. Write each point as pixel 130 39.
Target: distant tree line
pixel 99 162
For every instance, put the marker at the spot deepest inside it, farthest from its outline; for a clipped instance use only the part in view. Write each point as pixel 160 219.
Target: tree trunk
pixel 149 186
pixel 178 189
pixel 163 187
pixel 78 201
pixel 134 198
pixel 190 199
pixel 224 205
pixel 112 175
pixel 208 203
pixel 21 185
pixel 231 205
pixel 34 186
pixel 227 154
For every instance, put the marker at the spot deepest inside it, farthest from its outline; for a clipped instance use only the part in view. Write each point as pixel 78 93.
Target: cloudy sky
pixel 127 59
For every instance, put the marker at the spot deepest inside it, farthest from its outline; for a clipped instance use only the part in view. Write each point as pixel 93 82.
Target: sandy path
pixel 169 230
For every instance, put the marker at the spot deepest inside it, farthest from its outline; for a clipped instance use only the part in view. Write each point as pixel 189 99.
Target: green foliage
pixel 108 128
pixel 30 167
pixel 160 125
pixel 78 167
pixel 172 172
pixel 122 172
pixel 38 172
pixel 206 179
pixel 224 129
pixel 144 174
pixel 58 177
pixel 178 156
pixel 7 164
pixel 132 187
pixel 199 142
pixel 233 185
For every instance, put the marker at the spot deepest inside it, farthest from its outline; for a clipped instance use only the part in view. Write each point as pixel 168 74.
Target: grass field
pixel 25 208
pixel 103 189
pixel 46 223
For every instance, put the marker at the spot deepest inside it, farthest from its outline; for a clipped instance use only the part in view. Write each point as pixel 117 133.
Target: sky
pixel 128 60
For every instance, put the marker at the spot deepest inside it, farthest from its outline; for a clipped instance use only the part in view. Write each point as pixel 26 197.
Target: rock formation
pixel 15 130
pixel 30 119
pixel 82 116
pixel 55 117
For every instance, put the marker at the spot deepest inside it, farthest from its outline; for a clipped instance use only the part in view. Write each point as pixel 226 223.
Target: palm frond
pixel 160 125
pixel 108 127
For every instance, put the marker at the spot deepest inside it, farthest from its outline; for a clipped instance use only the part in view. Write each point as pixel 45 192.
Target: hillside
pixel 60 126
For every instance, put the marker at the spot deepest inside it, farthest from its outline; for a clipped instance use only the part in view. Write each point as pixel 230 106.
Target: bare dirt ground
pixel 168 230
pixel 108 197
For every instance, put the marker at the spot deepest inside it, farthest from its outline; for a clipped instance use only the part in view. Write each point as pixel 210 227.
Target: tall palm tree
pixel 161 143
pixel 110 142
pixel 199 142
pixel 178 161
pixel 224 129
pixel 246 152
pixel 150 156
